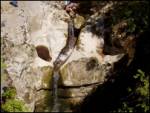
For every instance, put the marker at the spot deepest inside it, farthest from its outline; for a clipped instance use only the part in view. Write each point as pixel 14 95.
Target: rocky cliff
pixel 32 36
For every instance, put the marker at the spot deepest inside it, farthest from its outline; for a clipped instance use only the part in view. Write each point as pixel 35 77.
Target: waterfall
pixel 60 60
pixel 71 28
pixel 55 91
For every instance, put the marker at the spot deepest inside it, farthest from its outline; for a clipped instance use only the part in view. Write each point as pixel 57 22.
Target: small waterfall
pixel 71 28
pixel 55 92
pixel 60 60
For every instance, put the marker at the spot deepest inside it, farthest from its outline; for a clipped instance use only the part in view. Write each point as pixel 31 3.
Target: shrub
pixel 138 98
pixel 9 93
pixel 11 104
pixel 14 105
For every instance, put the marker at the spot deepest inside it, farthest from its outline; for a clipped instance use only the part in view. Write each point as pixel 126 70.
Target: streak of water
pixel 71 28
pixel 55 92
pixel 63 56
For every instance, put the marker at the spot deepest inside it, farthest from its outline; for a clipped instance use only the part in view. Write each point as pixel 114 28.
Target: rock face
pixel 78 73
pixel 32 36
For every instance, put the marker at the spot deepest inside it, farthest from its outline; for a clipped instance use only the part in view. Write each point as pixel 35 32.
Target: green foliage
pixel 142 90
pixel 143 85
pixel 11 104
pixel 9 93
pixel 131 25
pixel 138 98
pixel 135 12
pixel 125 108
pixel 128 13
pixel 14 105
pixel 8 96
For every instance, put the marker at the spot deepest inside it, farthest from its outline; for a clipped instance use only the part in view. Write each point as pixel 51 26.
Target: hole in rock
pixel 43 53
pixel 91 64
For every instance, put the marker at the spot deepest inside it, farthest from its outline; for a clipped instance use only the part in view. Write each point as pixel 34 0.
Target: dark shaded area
pixel 43 53
pixel 135 14
pixel 141 61
pixel 87 8
pixel 107 96
pixel 14 3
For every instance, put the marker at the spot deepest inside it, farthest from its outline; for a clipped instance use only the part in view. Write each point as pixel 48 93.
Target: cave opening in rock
pixel 43 52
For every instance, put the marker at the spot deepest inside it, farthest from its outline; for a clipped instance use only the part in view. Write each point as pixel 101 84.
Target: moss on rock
pixel 45 102
pixel 79 21
pixel 47 77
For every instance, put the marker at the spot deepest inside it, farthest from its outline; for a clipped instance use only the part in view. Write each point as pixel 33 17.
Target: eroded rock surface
pixel 35 24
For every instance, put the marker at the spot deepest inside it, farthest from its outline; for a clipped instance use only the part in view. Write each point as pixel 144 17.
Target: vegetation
pixel 14 105
pixel 127 89
pixel 138 97
pixel 128 11
pixel 9 93
pixel 11 104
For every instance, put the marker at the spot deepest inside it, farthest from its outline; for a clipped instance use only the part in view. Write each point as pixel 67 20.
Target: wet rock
pixel 43 101
pixel 76 92
pixel 78 73
pixel 46 77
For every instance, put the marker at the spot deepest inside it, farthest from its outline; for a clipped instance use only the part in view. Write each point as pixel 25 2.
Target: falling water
pixel 55 92
pixel 59 62
pixel 71 28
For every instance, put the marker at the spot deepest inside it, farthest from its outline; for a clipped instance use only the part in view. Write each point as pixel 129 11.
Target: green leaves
pixel 140 74
pixel 14 105
pixel 11 103
pixel 143 86
pixel 9 93
pixel 128 13
pixel 131 25
pixel 138 98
